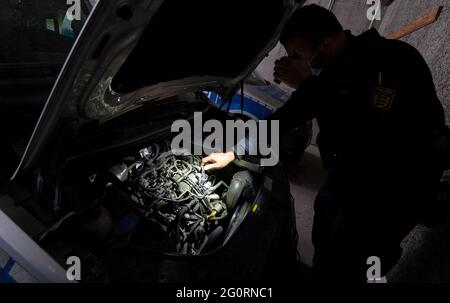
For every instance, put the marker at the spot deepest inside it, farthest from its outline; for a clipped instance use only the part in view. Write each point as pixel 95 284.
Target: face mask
pixel 314 70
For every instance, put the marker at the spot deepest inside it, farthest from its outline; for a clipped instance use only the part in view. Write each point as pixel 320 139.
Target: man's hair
pixel 312 23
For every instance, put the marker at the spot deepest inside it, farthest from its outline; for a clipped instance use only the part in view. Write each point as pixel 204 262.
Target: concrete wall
pixel 432 41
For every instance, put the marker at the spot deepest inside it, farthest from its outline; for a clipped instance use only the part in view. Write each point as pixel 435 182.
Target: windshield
pixel 36 38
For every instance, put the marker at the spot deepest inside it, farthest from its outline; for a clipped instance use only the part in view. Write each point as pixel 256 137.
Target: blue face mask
pixel 316 71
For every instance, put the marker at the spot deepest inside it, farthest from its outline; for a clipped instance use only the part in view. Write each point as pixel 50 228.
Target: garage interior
pixel 426 251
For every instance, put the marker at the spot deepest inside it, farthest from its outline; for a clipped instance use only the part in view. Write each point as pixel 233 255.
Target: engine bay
pixel 183 205
pixel 153 198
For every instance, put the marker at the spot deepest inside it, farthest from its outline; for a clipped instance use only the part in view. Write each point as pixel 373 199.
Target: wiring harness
pixel 184 204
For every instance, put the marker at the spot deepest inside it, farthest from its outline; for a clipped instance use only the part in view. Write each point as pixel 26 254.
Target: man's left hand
pixel 292 71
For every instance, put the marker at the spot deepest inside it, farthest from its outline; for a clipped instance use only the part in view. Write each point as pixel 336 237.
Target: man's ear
pixel 324 45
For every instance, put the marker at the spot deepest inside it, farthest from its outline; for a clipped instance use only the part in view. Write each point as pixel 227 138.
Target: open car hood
pixel 136 51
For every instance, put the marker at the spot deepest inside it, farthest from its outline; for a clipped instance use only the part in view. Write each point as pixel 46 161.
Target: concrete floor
pixel 305 184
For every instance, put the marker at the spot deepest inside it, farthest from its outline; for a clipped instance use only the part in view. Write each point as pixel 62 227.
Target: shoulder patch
pixel 383 97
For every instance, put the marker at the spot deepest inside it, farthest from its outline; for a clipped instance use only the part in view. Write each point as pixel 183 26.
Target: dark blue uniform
pixel 377 108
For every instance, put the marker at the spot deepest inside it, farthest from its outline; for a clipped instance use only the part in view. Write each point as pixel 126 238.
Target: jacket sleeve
pixel 300 108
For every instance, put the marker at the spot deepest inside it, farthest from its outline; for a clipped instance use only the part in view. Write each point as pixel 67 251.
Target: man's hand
pixel 218 160
pixel 292 71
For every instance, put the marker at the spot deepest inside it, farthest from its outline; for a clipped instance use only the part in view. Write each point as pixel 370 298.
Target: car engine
pixel 182 204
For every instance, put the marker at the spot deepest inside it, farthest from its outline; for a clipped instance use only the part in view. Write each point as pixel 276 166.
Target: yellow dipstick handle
pixel 212 214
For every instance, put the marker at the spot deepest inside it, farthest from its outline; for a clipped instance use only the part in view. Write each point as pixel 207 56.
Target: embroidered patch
pixel 383 97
